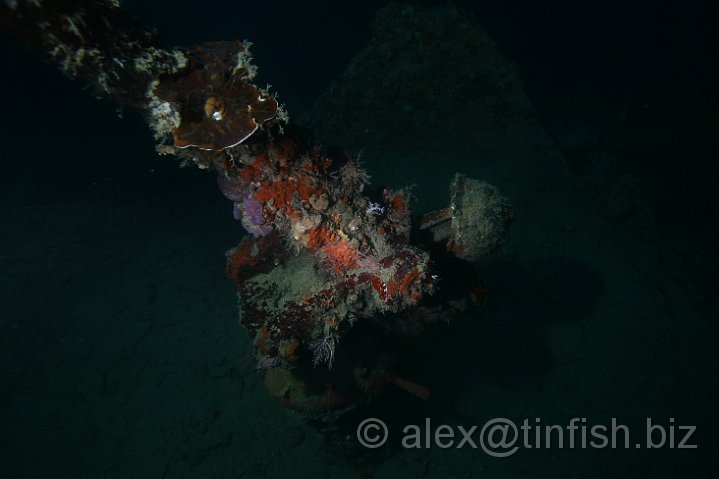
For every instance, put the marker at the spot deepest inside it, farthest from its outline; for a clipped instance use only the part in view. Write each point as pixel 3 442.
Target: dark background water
pixel 560 46
pixel 116 312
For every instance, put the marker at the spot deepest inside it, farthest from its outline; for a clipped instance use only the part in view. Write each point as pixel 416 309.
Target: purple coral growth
pixel 253 218
pixel 244 206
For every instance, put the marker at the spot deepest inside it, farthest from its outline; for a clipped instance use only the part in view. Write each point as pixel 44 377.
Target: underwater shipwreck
pixel 333 270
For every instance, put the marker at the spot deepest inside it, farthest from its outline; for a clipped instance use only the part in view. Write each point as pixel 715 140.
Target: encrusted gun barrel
pixel 477 222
